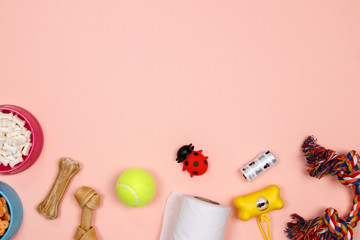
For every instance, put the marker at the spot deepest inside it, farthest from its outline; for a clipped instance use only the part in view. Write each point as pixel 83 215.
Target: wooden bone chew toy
pixel 49 206
pixel 88 200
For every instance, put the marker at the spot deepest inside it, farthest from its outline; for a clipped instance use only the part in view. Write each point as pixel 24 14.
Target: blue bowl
pixel 15 209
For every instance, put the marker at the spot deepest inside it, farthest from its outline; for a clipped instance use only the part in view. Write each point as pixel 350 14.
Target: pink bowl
pixel 37 139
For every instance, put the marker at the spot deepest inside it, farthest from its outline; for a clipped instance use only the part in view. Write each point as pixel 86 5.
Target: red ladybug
pixel 194 161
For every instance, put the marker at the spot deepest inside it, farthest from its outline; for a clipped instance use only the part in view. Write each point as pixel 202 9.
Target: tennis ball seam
pixel 132 190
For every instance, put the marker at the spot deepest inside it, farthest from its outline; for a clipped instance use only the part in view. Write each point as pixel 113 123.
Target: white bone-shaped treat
pixel 16 161
pixel 10 148
pixel 20 140
pixel 4 160
pixel 3 153
pixel 10 158
pixel 27 134
pixel 6 129
pixel 7 123
pixel 11 141
pixel 26 149
pixel 6 115
pixel 14 133
pixel 6 153
pixel 20 148
pixel 18 121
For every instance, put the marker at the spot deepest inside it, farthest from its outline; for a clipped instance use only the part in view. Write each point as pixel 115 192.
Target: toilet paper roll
pixel 191 218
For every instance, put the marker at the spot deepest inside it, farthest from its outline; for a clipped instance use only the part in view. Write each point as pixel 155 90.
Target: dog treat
pixel 88 200
pixel 49 206
pixel 15 139
pixel 2 210
pixel 4 216
pixel 3 226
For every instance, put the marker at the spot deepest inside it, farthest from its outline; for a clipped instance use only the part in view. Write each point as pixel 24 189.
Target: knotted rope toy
pixel 324 162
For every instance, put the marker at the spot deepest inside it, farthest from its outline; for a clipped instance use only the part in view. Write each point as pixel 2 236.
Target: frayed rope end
pixel 294 228
pixel 300 229
pixel 319 159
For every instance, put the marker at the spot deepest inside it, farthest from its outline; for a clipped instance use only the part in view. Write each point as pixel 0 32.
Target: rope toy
pixel 321 162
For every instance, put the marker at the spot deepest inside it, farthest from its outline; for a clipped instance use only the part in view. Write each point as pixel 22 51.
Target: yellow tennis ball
pixel 135 187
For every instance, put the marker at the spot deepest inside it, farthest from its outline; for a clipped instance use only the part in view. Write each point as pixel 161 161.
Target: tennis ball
pixel 135 187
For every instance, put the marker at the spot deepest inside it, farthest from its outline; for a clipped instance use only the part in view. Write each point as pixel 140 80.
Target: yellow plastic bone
pixel 247 204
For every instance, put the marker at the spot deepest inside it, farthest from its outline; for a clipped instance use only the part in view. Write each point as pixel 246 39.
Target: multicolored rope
pixel 321 162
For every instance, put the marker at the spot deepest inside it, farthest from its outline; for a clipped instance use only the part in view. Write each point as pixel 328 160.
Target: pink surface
pixel 119 84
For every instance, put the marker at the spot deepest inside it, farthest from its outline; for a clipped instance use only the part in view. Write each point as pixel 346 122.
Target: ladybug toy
pixel 194 161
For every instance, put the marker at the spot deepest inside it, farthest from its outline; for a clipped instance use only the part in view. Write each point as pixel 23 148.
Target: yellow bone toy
pixel 259 202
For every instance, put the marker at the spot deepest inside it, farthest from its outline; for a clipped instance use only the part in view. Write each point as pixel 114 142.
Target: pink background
pixel 120 84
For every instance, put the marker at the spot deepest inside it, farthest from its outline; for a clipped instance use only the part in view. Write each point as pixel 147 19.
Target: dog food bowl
pixel 15 210
pixel 37 139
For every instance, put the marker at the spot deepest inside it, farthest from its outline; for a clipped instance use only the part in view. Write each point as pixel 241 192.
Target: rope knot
pixel 338 226
pixel 349 169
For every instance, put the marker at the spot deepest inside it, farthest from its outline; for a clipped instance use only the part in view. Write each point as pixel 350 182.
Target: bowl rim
pixel 34 139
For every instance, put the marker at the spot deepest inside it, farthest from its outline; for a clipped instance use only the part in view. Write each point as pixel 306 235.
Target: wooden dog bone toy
pixel 88 200
pixel 49 206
